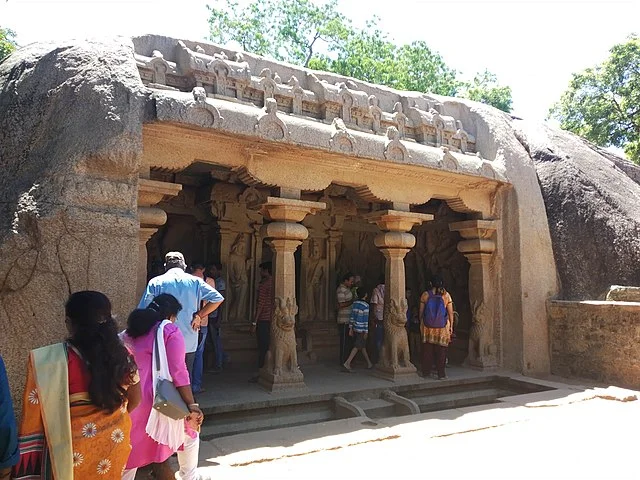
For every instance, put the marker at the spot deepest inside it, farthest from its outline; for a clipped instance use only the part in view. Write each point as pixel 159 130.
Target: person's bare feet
pixel 346 368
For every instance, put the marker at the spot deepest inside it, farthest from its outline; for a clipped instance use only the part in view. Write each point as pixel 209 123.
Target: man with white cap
pixel 190 291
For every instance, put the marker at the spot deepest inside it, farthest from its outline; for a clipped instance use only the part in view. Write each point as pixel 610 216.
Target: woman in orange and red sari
pixel 75 420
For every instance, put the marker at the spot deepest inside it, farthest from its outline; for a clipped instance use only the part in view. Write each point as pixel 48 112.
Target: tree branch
pixel 310 54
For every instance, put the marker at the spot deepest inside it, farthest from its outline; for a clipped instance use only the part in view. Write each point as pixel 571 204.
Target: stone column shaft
pixel 284 235
pixel 394 243
pixel 478 247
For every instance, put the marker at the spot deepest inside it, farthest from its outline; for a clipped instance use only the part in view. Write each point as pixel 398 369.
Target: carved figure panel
pixel 315 266
pixel 238 268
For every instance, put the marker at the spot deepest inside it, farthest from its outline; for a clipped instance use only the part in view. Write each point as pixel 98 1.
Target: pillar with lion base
pixel 284 234
pixel 394 242
pixel 478 246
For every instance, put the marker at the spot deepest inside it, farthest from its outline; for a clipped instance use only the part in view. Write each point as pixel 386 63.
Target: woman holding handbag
pixel 159 351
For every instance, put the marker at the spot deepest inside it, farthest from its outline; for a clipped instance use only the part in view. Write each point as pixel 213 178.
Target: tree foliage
pixel 318 36
pixel 7 42
pixel 486 89
pixel 602 103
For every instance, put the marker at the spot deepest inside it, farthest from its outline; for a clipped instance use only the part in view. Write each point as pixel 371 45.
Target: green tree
pixel 486 89
pixel 602 103
pixel 7 42
pixel 318 36
pixel 288 31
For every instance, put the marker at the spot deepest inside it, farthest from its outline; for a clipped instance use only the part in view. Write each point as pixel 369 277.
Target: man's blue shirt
pixel 190 291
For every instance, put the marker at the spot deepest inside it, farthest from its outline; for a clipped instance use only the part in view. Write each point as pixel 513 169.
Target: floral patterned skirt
pixel 97 447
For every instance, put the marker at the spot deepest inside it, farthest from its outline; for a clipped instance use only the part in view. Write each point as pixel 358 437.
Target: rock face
pixel 593 207
pixel 70 130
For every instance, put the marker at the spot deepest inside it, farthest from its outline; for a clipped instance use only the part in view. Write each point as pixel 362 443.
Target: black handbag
pixel 167 399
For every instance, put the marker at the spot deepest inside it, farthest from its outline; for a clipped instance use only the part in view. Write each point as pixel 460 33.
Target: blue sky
pixel 532 45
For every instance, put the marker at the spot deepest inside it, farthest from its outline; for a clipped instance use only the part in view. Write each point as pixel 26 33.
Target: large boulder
pixel 592 198
pixel 71 135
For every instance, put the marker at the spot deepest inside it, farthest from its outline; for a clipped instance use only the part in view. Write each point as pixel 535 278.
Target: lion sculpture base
pixel 281 371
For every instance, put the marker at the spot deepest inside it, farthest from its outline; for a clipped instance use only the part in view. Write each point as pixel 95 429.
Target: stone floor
pixel 572 432
pixel 576 431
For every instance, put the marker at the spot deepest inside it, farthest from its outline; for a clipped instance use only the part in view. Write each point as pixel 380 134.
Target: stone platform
pixel 231 390
pixel 233 405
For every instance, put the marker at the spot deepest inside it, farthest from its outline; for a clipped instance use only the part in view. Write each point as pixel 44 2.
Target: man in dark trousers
pixel 261 325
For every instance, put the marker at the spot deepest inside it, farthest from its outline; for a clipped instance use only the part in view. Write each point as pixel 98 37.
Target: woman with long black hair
pixel 75 420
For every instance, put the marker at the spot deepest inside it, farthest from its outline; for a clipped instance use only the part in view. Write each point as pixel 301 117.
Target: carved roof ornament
pixel 268 84
pixel 200 112
pixel 199 49
pixel 375 112
pixel 400 119
pixel 462 138
pixel 160 67
pixel 394 149
pixel 298 94
pixel 341 139
pixel 486 170
pixel 347 102
pixel 269 125
pixel 449 162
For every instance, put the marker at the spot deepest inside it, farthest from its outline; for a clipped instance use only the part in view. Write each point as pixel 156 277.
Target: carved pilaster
pixel 478 246
pixel 284 235
pixel 394 243
pixel 150 192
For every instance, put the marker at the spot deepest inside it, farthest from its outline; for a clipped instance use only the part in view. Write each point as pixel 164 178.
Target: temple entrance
pixel 215 218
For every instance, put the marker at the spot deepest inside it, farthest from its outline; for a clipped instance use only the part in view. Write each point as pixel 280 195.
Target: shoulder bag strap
pixel 156 349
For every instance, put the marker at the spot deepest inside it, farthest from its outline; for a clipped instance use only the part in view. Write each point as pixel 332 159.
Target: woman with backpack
pixel 436 313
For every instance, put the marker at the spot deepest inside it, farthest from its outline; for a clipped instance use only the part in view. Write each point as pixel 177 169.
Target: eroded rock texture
pixel 70 130
pixel 592 200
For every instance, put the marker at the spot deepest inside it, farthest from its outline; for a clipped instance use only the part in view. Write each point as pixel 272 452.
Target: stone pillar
pixel 478 246
pixel 150 192
pixel 284 235
pixel 395 242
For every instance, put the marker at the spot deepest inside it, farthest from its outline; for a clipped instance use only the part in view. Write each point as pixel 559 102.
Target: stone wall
pixel 596 340
pixel 70 136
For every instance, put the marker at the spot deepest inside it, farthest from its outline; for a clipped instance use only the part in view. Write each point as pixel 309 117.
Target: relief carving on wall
pixel 315 265
pixel 238 267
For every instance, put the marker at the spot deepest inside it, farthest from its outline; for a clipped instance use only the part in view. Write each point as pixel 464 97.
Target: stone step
pixel 223 424
pixel 377 407
pixel 444 401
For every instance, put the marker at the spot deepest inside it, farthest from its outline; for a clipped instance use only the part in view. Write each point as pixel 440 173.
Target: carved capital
pixel 289 210
pixel 151 217
pixel 478 239
pixel 285 231
pixel 397 221
pixel 395 240
pixel 152 192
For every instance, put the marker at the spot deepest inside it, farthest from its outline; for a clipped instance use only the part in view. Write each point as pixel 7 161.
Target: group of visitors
pixel 90 407
pixel 429 326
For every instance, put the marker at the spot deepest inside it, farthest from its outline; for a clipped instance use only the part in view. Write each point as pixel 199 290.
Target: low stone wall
pixel 596 340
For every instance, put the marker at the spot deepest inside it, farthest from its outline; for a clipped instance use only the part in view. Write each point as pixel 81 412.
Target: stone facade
pixel 597 340
pixel 173 145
